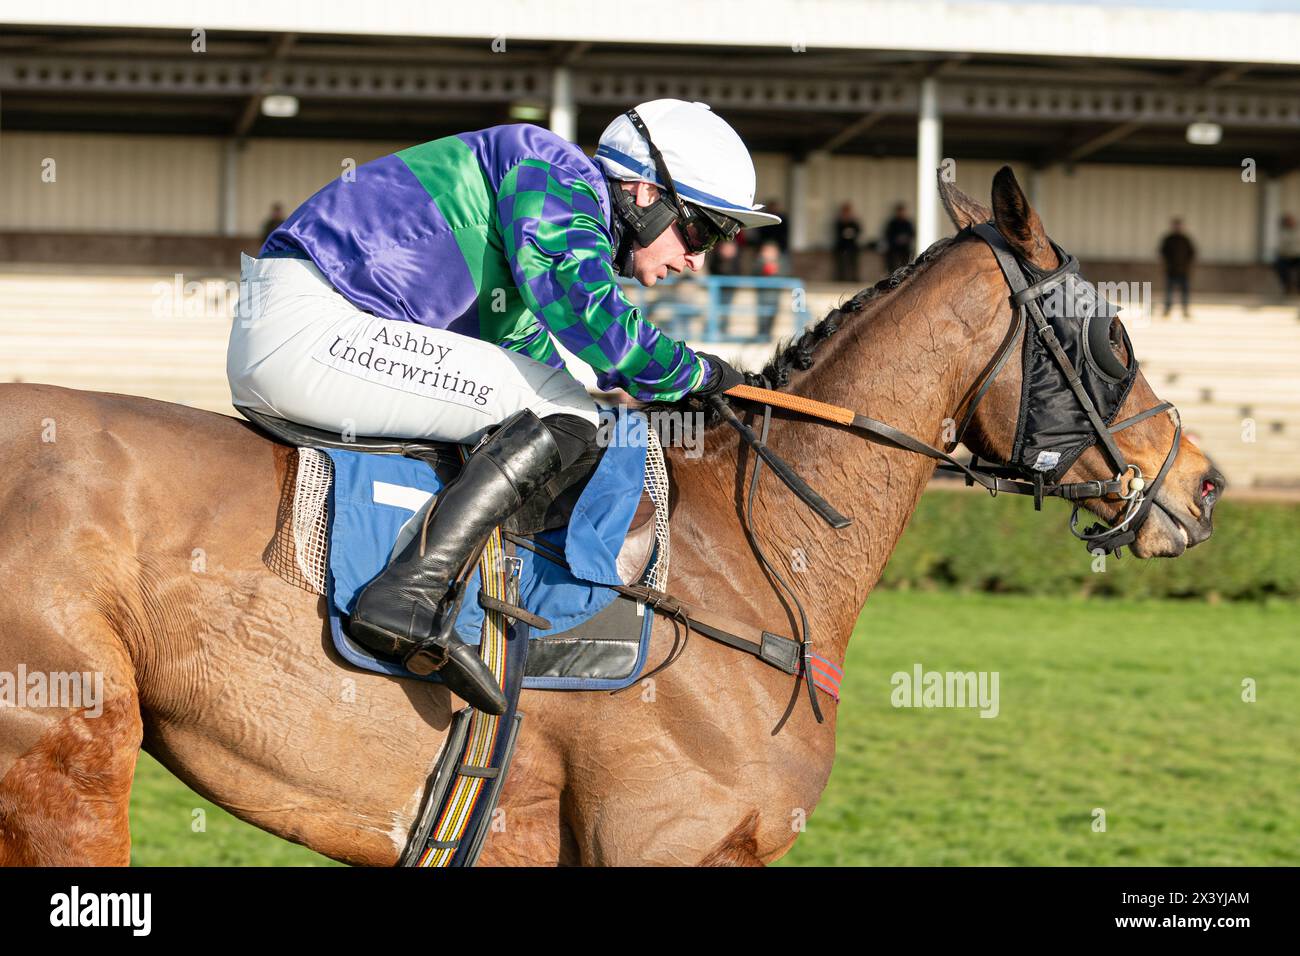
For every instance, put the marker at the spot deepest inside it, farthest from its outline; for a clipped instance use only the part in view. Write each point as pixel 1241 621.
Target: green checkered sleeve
pixel 558 247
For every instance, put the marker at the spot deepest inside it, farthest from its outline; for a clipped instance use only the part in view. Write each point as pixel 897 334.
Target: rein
pixel 994 478
pixel 795 655
pixel 1027 313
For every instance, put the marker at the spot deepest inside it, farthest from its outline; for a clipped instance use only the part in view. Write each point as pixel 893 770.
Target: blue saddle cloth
pixel 374 498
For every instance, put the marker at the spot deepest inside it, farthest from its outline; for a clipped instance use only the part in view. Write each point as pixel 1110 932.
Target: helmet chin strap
pixel 642 225
pixel 626 264
pixel 623 244
pixel 635 225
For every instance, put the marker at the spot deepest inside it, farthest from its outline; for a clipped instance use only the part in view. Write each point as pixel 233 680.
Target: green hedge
pixel 969 541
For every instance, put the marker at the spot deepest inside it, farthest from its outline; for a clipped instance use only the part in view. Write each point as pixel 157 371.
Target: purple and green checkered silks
pixel 560 255
pixel 501 234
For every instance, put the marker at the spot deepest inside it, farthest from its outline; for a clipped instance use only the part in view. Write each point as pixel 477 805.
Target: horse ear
pixel 1018 222
pixel 961 209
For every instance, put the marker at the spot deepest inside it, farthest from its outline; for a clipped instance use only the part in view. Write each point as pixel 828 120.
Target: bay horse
pixel 131 541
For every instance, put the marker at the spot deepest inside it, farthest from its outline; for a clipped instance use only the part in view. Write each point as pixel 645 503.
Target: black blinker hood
pixel 1053 430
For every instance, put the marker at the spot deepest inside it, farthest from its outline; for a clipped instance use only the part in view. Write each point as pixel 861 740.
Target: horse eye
pixel 1117 338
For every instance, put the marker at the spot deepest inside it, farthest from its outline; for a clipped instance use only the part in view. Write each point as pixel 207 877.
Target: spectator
pixel 1288 255
pixel 1177 251
pixel 780 233
pixel 900 236
pixel 273 221
pixel 768 265
pixel 725 261
pixel 847 231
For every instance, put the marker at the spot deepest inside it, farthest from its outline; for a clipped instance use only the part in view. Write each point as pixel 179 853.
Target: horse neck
pixel 903 360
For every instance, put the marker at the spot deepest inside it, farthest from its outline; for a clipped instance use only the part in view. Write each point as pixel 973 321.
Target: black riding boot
pixel 410 608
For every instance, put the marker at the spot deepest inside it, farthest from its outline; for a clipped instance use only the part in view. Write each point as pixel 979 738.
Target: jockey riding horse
pixel 418 298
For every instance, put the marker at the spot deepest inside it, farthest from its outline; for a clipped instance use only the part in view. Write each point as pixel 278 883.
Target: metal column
pixel 929 144
pixel 796 206
pixel 228 199
pixel 564 112
pixel 1270 214
pixel 804 208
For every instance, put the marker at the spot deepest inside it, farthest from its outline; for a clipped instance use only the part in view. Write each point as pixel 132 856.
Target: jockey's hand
pixel 720 378
pixel 616 396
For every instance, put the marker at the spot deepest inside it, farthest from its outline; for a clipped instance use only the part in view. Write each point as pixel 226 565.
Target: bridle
pixel 1027 319
pixel 1031 323
pixel 1027 304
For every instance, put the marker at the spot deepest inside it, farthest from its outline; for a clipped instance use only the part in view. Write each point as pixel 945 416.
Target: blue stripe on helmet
pixel 688 192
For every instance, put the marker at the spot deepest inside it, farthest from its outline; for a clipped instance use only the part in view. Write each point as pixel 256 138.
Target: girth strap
pixel 471 770
pixel 780 652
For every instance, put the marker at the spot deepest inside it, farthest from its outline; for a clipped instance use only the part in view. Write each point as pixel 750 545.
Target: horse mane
pixel 799 353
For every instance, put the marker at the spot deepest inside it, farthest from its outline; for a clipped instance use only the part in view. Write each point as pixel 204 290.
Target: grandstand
pixel 1232 370
pixel 118 273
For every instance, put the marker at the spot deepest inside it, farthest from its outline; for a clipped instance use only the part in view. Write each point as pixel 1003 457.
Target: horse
pixel 131 540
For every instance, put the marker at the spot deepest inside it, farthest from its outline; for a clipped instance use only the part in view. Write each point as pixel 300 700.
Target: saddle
pixel 549 509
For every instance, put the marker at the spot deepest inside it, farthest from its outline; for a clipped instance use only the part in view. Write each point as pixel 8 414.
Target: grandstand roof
pixel 1229 31
pixel 1031 82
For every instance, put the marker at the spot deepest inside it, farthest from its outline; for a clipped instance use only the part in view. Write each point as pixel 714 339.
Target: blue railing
pixel 702 308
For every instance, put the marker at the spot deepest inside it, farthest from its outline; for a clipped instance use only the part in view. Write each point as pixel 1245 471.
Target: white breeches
pixel 299 350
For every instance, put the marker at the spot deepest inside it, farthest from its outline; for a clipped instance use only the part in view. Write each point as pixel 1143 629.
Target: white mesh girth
pixel 310 532
pixel 656 483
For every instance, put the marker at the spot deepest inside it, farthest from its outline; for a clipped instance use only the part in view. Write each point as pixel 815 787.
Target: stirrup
pixel 433 653
pixel 427 658
pixel 461 668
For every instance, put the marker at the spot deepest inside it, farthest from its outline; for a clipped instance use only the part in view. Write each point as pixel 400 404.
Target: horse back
pixel 69 450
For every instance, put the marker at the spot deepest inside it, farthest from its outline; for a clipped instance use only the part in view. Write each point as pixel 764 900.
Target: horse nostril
pixel 1212 485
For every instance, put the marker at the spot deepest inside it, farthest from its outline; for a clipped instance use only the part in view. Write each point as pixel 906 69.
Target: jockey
pixel 421 297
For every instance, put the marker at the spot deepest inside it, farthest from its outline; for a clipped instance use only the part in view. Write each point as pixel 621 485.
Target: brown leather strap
pixel 513 611
pixel 781 652
pixel 774 649
pixel 796 403
pixel 802 490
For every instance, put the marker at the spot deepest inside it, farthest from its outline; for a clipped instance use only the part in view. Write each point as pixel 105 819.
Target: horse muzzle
pixel 1182 516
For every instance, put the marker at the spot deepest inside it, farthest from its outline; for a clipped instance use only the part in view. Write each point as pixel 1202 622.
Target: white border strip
pixel 1067 29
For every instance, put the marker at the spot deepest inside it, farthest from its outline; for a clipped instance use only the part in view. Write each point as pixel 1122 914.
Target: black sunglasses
pixel 702 229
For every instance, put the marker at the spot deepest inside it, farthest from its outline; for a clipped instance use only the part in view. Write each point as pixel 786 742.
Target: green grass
pixel 1130 706
pixel 164 829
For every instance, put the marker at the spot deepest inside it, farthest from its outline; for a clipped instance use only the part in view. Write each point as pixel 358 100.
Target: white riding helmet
pixel 706 159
